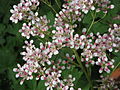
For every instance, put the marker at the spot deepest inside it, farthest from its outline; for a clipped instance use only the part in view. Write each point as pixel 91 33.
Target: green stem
pixel 77 65
pixel 91 22
pixel 116 67
pixel 49 6
pixel 89 71
pixel 71 61
pixel 90 26
pixel 82 67
pixel 40 40
pixel 57 4
pixel 101 18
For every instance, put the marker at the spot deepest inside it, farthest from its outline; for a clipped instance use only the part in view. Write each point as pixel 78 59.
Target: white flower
pixel 56 52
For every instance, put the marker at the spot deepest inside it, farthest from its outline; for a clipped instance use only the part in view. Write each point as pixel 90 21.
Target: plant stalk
pixel 82 67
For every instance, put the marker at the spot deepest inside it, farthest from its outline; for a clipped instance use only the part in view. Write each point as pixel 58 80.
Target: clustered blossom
pixel 53 78
pixel 69 39
pixel 39 61
pixel 64 32
pixel 116 32
pixel 38 27
pixel 22 10
pixel 80 5
pixel 108 83
pixel 103 5
pixel 87 5
pixel 98 49
pixel 26 71
pixel 26 30
pixel 42 54
pixel 36 61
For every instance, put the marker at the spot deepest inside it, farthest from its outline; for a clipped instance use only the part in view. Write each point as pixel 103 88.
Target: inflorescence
pixel 39 63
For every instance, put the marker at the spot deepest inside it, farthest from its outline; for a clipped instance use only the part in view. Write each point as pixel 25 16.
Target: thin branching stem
pixel 93 20
pixel 116 67
pixel 82 67
pixel 100 19
pixel 49 6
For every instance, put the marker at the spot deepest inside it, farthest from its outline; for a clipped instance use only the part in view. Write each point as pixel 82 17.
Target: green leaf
pixel 41 85
pixel 30 84
pixel 2 40
pixel 2 29
pixel 87 18
pixel 87 87
pixel 7 58
pixel 99 27
pixel 14 29
pixel 51 17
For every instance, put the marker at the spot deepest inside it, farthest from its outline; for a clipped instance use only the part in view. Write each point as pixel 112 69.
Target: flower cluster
pixel 103 5
pixel 87 5
pixel 108 83
pixel 21 11
pixel 96 48
pixel 36 61
pixel 80 5
pixel 116 32
pixel 37 27
pixel 39 61
pixel 54 80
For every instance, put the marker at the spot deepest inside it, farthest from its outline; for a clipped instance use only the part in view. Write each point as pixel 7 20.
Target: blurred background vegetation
pixel 11 42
